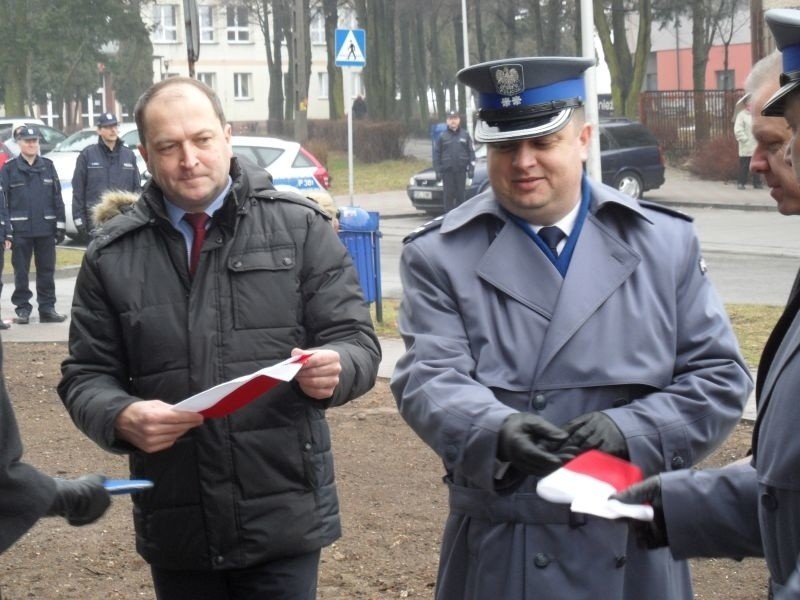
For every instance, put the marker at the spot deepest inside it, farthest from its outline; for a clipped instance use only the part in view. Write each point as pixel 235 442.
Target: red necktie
pixel 198 222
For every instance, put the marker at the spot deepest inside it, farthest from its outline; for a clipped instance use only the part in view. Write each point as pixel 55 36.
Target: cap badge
pixel 508 80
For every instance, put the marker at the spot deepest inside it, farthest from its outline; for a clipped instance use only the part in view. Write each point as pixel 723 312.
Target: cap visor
pixel 492 133
pixel 775 106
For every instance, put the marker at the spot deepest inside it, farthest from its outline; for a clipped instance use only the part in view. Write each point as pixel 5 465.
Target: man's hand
pixel 80 501
pixel 152 425
pixel 60 235
pixel 471 171
pixel 652 534
pixel 594 430
pixel 81 229
pixel 525 440
pixel 319 376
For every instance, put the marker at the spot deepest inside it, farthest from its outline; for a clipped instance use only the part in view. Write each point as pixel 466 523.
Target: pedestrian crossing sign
pixel 351 48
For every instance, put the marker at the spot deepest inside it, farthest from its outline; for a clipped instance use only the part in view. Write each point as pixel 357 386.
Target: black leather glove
pixel 60 235
pixel 525 440
pixel 652 534
pixel 594 430
pixel 80 501
pixel 81 229
pixel 471 171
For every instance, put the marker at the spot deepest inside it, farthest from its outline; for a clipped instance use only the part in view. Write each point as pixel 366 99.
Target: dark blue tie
pixel 551 236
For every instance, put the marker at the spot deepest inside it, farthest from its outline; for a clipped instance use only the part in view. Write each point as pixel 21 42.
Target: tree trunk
pixel 699 62
pixel 420 69
pixel 336 105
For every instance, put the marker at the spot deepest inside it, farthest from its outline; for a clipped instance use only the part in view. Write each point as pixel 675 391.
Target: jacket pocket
pixel 265 288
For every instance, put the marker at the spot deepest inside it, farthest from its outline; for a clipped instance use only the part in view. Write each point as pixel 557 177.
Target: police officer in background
pixel 36 212
pixel 453 161
pixel 108 164
pixel 542 318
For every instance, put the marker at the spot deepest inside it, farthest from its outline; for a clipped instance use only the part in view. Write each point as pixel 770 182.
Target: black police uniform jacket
pixel 33 197
pixel 258 484
pixel 453 151
pixel 97 169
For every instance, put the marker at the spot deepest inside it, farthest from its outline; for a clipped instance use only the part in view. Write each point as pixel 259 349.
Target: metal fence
pixel 680 118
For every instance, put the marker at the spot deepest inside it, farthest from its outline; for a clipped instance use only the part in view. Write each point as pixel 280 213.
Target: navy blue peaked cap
pixel 784 23
pixel 525 97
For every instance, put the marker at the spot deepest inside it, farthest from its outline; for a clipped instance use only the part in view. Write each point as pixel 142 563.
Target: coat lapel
pixel 600 264
pixel 514 264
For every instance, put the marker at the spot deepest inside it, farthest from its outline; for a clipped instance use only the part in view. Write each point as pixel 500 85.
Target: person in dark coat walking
pixel 36 213
pixel 106 165
pixel 547 316
pixel 453 161
pixel 27 494
pixel 751 508
pixel 211 275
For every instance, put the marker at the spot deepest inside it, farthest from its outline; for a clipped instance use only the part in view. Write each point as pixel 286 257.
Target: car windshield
pixel 77 141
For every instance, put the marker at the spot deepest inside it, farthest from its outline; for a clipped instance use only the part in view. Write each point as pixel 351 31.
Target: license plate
pixel 423 195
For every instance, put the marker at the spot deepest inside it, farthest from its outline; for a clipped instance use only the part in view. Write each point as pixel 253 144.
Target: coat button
pixel 286 261
pixel 541 560
pixel 539 402
pixel 307 445
pixel 237 264
pixel 769 501
pixel 677 462
pixel 619 561
pixel 218 560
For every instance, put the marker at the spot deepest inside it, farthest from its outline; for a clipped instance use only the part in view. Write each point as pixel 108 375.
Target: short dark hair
pixel 156 88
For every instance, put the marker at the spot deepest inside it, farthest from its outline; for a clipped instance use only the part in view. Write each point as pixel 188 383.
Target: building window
pixel 209 79
pixel 241 86
pixel 166 23
pixel 651 82
pixel 206 14
pixel 238 29
pixel 725 79
pixel 317 28
pixel 322 82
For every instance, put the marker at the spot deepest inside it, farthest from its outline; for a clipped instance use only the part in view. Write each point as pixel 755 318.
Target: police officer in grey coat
pixel 751 508
pixel 527 345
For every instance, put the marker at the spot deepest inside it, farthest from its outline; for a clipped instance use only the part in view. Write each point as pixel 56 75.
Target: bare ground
pixel 393 506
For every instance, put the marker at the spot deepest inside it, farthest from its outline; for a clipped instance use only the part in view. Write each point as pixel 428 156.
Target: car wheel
pixel 629 183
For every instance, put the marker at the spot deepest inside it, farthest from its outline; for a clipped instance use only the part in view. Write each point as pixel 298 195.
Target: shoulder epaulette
pixel 667 210
pixel 425 228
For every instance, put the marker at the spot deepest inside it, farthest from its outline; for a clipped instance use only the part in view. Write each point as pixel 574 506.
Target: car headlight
pixel 412 181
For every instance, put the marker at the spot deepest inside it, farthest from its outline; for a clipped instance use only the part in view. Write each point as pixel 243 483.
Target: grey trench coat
pixel 635 329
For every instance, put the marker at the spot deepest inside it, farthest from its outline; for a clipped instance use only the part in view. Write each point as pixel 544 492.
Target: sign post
pixel 351 51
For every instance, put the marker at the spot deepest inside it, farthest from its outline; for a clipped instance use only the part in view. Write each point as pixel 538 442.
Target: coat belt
pixel 522 507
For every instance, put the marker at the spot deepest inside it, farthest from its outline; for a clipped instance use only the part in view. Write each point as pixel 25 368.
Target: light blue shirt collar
pixel 175 213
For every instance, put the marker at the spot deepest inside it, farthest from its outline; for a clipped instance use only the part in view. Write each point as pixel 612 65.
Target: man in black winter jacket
pixel 241 504
pixel 106 165
pixel 453 161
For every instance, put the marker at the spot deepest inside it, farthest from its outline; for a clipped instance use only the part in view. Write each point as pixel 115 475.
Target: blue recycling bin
pixel 360 234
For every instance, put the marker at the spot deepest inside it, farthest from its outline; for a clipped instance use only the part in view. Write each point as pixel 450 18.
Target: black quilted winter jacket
pixel 258 484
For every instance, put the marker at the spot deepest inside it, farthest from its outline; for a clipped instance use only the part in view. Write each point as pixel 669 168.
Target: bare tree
pixel 626 67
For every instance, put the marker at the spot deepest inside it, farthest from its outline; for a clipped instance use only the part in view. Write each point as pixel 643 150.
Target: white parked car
pixel 288 162
pixel 65 155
